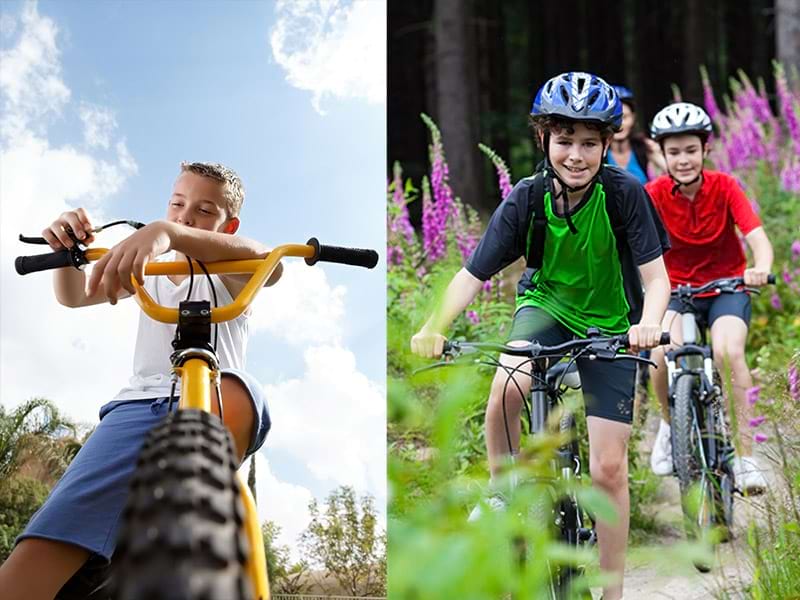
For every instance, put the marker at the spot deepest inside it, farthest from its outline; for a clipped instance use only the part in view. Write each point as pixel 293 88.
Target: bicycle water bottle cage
pixel 194 326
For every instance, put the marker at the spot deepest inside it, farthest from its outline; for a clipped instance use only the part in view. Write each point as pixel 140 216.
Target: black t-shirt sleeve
pixel 646 234
pixel 505 237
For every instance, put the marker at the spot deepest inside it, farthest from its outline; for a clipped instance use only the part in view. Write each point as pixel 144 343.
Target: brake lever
pixel 436 365
pixel 635 357
pixel 752 290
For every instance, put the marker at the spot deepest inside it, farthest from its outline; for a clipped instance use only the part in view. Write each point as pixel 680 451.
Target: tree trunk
pixel 457 97
pixel 787 38
pixel 693 57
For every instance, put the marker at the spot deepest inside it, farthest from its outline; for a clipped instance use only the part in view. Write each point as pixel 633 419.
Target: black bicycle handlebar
pixel 358 257
pixel 602 346
pixel 724 285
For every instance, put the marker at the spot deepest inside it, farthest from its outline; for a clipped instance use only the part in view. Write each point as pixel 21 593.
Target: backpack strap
pixel 538 223
pixel 612 210
pixel 631 282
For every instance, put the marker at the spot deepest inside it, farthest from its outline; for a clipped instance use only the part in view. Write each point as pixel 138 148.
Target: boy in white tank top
pixel 78 522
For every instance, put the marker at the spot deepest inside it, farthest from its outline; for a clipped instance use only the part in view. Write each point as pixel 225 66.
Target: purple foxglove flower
pixel 473 317
pixel 760 438
pixel 787 276
pixel 795 249
pixel 775 301
pixel 794 383
pixel 756 421
pixel 753 394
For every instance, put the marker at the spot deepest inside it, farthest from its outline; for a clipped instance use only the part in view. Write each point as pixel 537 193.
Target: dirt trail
pixel 646 578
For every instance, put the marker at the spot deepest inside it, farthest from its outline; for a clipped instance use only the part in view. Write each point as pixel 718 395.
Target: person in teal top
pixel 582 283
pixel 631 150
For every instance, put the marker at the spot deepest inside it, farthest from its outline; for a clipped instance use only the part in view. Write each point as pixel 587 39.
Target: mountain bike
pixel 702 449
pixel 571 523
pixel 190 529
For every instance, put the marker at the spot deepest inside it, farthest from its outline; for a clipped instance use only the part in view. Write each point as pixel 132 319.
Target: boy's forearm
pixel 656 299
pixel 209 246
pixel 69 285
pixel 762 249
pixel 656 290
pixel 459 294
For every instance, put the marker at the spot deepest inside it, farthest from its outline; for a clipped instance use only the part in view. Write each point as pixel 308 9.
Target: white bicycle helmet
pixel 680 118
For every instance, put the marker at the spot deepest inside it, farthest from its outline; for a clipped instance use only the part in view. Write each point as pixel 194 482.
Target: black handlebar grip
pixel 358 257
pixel 43 262
pixel 771 279
pixel 447 346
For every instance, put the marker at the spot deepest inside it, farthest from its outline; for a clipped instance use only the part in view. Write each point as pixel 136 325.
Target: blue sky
pixel 102 100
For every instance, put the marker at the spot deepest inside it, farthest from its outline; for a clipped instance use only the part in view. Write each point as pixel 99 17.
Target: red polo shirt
pixel 703 230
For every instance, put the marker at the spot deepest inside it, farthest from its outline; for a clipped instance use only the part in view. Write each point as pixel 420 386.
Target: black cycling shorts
pixel 607 386
pixel 710 308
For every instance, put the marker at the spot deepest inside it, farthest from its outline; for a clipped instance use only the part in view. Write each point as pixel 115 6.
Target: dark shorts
pixel 607 386
pixel 711 308
pixel 85 505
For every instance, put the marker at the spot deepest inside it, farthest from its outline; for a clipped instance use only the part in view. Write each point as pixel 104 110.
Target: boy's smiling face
pixel 198 201
pixel 684 155
pixel 576 153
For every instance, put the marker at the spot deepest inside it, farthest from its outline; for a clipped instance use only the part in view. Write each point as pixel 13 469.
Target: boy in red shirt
pixel 701 210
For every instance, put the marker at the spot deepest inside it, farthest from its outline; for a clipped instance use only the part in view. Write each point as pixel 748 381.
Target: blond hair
pixel 232 190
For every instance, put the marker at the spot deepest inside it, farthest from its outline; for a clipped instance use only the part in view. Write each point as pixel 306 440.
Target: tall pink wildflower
pixel 443 208
pixel 430 224
pixel 788 106
pixel 708 99
pixel 503 173
pixel 400 223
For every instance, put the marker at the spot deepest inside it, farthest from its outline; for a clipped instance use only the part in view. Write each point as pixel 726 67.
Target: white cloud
pixel 30 76
pixel 332 48
pixel 302 309
pixel 98 125
pixel 283 503
pixel 78 358
pixel 333 420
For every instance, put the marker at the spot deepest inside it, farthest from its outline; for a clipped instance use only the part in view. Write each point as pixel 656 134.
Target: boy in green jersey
pixel 585 280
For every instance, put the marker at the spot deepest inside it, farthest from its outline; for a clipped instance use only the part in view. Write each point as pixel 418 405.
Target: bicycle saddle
pixel 571 378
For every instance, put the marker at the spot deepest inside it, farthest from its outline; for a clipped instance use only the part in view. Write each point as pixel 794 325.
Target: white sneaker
pixel 661 457
pixel 749 476
pixel 496 503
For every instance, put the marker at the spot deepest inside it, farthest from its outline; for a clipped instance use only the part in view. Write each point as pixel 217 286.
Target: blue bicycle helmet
pixel 626 96
pixel 580 97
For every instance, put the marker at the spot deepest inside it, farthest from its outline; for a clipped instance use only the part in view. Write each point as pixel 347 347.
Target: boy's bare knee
pixel 239 415
pixel 609 472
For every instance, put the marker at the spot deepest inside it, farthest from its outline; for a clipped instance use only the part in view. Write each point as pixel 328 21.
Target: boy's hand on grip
pixel 427 344
pixel 643 336
pixel 755 277
pixel 75 221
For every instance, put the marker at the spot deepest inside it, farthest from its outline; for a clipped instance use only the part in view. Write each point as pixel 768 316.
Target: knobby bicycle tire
pixel 182 536
pixel 699 505
pixel 566 574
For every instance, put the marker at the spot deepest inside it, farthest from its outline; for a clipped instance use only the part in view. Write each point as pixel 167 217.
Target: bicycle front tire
pixel 697 497
pixel 182 536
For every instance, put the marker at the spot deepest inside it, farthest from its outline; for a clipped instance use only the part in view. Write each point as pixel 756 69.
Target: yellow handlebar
pixel 261 268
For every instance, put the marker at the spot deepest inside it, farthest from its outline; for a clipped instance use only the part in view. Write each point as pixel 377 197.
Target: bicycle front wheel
pixel 696 480
pixel 182 536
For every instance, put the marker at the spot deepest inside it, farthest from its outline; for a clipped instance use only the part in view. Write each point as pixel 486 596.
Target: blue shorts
pixel 85 505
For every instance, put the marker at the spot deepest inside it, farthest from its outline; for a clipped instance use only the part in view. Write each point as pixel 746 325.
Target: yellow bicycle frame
pixel 197 375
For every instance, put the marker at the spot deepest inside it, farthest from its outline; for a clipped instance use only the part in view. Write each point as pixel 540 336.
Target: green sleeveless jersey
pixel 580 283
